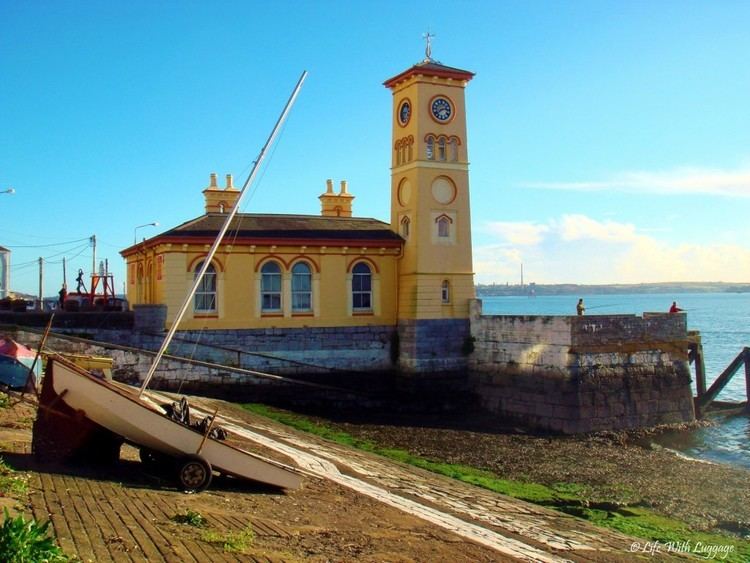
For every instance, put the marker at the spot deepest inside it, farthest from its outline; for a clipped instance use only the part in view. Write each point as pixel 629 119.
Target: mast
pixel 222 232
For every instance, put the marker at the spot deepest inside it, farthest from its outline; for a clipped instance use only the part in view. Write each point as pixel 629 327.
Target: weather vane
pixel 428 47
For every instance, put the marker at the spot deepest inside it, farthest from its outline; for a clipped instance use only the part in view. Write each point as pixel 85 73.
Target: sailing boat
pixel 144 419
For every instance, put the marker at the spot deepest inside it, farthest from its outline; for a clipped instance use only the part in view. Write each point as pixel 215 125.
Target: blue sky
pixel 609 141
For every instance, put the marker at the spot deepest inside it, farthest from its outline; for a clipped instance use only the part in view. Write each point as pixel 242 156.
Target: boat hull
pixel 16 361
pixel 142 422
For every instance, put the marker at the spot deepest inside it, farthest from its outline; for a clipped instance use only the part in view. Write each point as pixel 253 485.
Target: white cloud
pixel 522 233
pixel 687 180
pixel 580 249
pixel 578 227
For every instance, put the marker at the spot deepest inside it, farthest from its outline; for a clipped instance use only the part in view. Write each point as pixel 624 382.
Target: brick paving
pixel 103 521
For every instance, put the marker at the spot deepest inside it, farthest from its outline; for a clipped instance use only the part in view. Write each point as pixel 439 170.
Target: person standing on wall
pixel 674 308
pixel 580 308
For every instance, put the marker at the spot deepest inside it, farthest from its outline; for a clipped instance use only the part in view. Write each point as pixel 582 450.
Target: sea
pixel 723 320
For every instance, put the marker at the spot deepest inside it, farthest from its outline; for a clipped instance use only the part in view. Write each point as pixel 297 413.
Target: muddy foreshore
pixel 611 468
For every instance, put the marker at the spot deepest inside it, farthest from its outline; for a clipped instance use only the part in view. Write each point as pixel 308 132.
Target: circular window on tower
pixel 443 190
pixel 404 112
pixel 404 192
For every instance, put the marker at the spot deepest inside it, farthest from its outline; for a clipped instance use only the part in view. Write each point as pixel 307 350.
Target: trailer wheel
pixel 194 474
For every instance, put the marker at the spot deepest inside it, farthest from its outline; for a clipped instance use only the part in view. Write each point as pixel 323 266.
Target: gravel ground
pixel 615 467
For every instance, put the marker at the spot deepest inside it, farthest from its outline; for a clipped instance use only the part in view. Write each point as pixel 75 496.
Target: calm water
pixel 723 320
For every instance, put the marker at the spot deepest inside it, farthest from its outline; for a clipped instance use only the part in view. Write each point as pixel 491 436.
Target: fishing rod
pixel 604 306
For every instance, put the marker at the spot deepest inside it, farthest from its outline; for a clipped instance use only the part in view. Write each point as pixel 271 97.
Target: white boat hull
pixel 142 422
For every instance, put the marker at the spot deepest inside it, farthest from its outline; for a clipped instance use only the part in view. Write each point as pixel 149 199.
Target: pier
pixel 705 397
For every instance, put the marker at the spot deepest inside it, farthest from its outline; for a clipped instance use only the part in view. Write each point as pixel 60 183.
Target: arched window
pixel 430 147
pixel 453 149
pixel 301 287
pixel 405 224
pixel 361 287
pixel 270 287
pixel 445 291
pixel 205 295
pixel 441 148
pixel 443 226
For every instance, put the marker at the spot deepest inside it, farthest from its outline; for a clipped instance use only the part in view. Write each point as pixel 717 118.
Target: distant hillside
pixel 575 289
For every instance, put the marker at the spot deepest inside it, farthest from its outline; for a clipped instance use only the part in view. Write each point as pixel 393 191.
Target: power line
pixel 11 247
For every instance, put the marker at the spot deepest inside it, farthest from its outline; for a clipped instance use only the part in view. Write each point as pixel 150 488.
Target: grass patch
pixel 191 518
pixel 4 401
pixel 566 497
pixel 235 542
pixel 11 483
pixel 25 542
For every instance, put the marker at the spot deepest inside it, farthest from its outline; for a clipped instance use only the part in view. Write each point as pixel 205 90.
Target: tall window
pixel 444 226
pixel 405 224
pixel 301 287
pixel 270 287
pixel 453 149
pixel 205 295
pixel 445 292
pixel 441 148
pixel 430 147
pixel 361 287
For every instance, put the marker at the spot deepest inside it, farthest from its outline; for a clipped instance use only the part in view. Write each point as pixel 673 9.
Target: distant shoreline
pixel 491 290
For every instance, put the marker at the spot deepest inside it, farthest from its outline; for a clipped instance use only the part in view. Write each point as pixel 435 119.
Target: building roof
pixel 3 249
pixel 252 228
pixel 430 68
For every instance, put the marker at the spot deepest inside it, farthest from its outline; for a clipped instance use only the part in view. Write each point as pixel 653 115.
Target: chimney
pixel 218 200
pixel 336 204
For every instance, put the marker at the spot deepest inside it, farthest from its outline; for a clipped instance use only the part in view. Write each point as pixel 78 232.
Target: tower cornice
pixel 430 69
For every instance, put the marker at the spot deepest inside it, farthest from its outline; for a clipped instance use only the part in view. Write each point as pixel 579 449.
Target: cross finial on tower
pixel 428 47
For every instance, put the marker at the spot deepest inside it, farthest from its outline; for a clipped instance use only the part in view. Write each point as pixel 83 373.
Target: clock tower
pixel 430 210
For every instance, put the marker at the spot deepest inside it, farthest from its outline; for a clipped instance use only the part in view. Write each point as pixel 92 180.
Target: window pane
pixel 205 295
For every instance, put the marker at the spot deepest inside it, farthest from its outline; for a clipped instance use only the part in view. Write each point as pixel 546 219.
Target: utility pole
pixel 65 274
pixel 40 306
pixel 93 260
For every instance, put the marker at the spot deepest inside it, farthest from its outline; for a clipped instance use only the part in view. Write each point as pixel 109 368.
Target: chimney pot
pixel 230 183
pixel 329 186
pixel 212 183
pixel 343 186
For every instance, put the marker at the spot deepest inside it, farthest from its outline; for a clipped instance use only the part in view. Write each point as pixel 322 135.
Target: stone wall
pixel 192 376
pixel 581 374
pixel 432 345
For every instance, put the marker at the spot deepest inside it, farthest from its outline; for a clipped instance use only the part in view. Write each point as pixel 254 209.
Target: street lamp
pixel 154 224
pixel 8 191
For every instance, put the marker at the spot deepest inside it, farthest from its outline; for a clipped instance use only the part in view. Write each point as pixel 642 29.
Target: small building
pixel 4 272
pixel 336 272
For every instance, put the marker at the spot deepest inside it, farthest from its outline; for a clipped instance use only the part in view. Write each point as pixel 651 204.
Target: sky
pixel 609 141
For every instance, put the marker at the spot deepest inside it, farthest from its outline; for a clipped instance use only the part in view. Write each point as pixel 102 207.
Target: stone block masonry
pixel 582 374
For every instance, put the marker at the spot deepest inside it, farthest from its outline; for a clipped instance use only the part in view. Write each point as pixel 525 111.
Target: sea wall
pixel 582 374
pixel 191 376
pixel 282 351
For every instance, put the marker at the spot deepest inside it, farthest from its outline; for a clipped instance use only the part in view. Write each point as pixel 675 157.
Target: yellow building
pixel 412 276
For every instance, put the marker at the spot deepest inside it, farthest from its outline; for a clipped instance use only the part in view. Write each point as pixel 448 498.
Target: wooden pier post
pixel 695 354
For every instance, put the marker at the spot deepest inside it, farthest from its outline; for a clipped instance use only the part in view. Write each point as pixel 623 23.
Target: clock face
pixel 441 108
pixel 404 112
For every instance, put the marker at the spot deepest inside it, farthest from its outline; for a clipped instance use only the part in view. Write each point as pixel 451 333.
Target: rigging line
pixel 257 186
